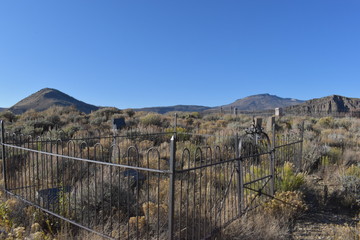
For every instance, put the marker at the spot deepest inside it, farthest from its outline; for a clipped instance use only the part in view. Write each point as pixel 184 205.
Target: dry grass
pixel 257 226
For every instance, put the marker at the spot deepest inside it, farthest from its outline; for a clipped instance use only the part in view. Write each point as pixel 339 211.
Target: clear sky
pixel 142 53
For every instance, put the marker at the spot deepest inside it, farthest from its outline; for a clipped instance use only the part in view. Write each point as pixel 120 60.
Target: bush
pixel 326 122
pixel 8 116
pixel 288 204
pixel 351 183
pixel 288 179
pixel 151 119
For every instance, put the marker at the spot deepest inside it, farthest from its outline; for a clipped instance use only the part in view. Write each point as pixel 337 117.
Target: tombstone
pixel 278 112
pixel 118 123
pixel 258 122
pixel 270 123
pixel 136 178
pixel 50 196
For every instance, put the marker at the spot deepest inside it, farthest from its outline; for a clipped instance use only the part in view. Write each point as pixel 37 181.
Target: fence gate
pixel 256 168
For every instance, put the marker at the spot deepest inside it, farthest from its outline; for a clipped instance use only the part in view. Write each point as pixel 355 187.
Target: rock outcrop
pixel 334 104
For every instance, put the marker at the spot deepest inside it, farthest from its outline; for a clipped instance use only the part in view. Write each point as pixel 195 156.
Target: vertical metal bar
pixel 37 180
pixel 187 196
pixel 137 198
pixel 172 187
pixel 30 165
pixel 81 184
pixel 111 197
pixel 148 195
pixel 200 198
pixel 301 146
pixel 14 159
pixel 3 154
pixel 240 184
pixel 272 162
pixel 181 196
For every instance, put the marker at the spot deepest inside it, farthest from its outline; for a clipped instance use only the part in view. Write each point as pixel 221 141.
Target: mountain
pixel 258 102
pixel 2 109
pixel 177 108
pixel 261 102
pixel 326 105
pixel 46 98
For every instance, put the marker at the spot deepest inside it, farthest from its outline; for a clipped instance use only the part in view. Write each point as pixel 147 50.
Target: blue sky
pixel 141 53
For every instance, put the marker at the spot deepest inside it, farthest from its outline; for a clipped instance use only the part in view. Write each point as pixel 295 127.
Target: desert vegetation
pixel 329 180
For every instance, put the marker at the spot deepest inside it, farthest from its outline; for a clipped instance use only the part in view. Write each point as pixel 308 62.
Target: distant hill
pixel 261 102
pixel 258 102
pixel 177 108
pixel 47 98
pixel 2 109
pixel 326 105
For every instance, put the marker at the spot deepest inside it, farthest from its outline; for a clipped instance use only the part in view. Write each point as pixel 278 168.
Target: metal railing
pixel 147 186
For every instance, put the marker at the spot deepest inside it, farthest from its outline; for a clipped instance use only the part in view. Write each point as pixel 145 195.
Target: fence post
pixel 172 186
pixel 272 163
pixel 175 122
pixel 301 146
pixel 240 185
pixel 3 153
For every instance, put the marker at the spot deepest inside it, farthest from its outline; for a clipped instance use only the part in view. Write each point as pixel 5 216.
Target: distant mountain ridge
pixel 48 97
pixel 261 102
pixel 326 105
pixel 176 108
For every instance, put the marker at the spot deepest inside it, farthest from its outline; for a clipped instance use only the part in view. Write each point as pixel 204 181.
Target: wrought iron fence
pixel 147 186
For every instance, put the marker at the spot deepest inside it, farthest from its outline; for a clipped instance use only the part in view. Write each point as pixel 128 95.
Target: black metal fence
pixel 148 186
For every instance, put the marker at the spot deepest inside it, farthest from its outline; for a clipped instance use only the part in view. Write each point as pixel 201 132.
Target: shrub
pixel 8 116
pixel 288 204
pixel 288 179
pixel 5 219
pixel 181 133
pixel 334 154
pixel 151 119
pixel 326 122
pixel 351 183
pixel 130 113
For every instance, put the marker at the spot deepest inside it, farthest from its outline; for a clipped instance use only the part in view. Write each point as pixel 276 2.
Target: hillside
pixel 47 98
pixel 177 108
pixel 258 102
pixel 261 102
pixel 326 105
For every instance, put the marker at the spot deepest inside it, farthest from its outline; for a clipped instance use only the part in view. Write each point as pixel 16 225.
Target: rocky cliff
pixel 327 105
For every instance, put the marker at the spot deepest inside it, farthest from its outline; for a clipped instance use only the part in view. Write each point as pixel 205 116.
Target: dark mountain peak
pixel 49 97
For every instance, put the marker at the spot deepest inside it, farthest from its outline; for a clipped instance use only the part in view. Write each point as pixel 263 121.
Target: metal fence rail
pixel 147 186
